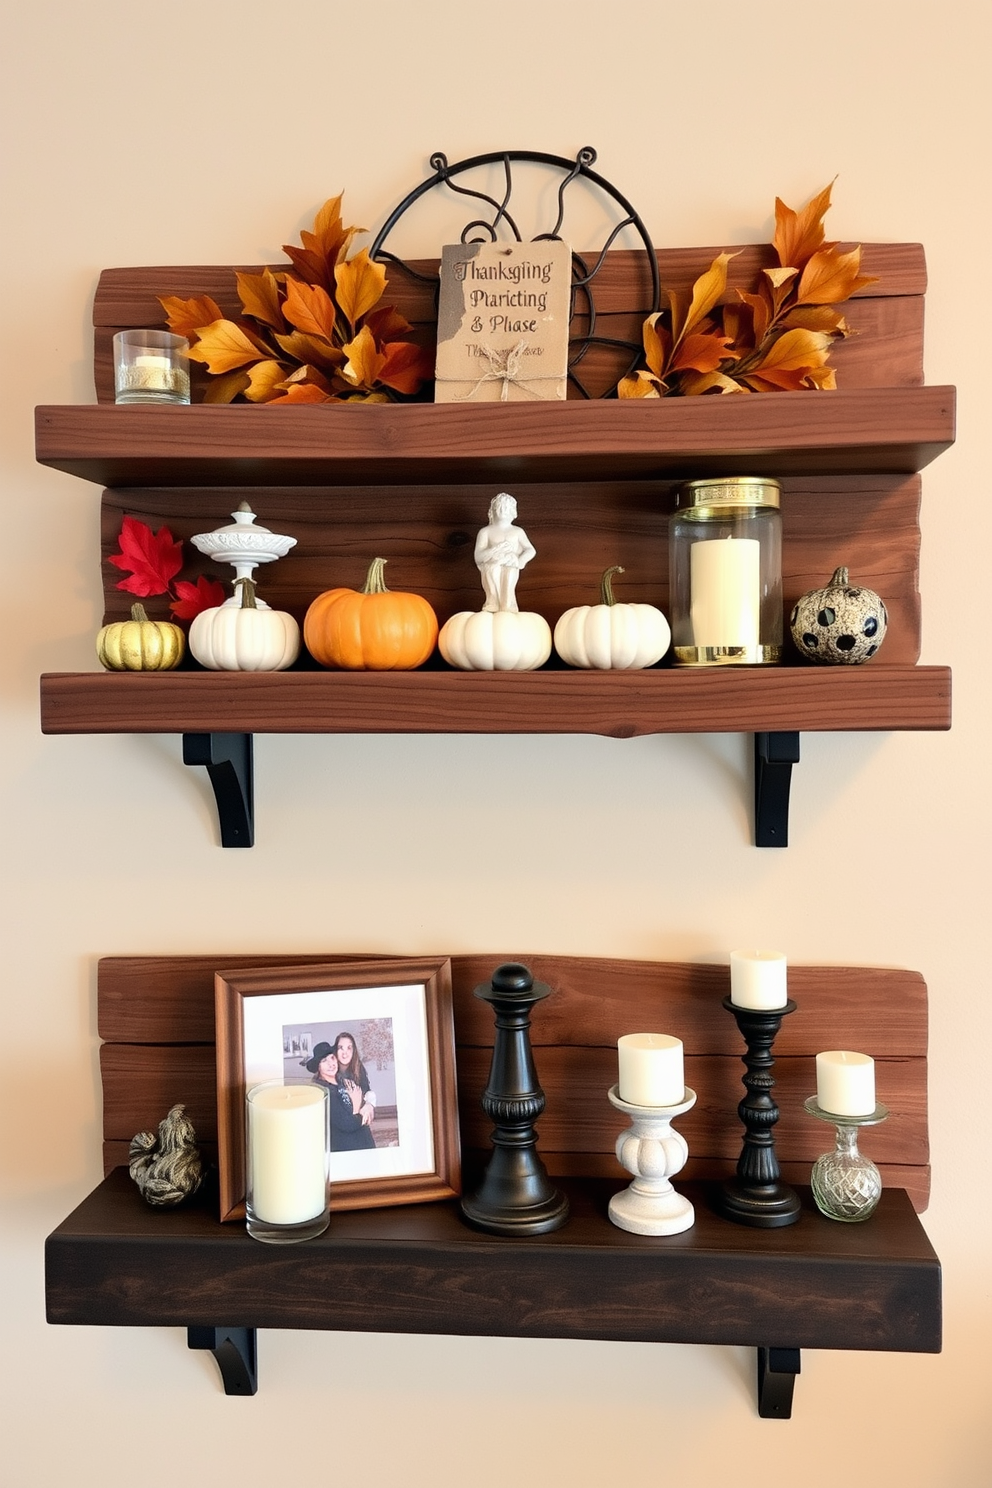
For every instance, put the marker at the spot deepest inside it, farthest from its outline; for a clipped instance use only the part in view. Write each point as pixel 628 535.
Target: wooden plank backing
pixel 885 317
pixel 426 533
pixel 156 1015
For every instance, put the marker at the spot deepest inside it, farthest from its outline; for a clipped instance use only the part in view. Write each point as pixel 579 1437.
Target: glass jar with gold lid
pixel 725 560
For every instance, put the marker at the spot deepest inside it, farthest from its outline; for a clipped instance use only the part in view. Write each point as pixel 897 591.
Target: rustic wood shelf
pixel 618 704
pixel 419 1269
pixel 894 430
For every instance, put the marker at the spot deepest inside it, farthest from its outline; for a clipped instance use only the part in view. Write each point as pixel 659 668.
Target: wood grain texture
pixel 863 430
pixel 427 534
pixel 617 704
pixel 418 1269
pixel 157 1017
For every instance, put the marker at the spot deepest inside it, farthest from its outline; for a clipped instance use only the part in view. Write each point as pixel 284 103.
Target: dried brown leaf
pixel 185 317
pixel 701 352
pixel 310 309
pixel 798 235
pixel 259 295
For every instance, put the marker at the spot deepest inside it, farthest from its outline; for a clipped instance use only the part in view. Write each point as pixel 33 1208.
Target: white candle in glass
pixel 154 371
pixel 287 1181
pixel 725 591
pixel 651 1069
pixel 845 1083
pixel 758 980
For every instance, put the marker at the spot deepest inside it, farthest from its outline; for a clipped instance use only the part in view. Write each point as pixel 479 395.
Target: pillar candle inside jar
pixel 725 591
pixel 651 1069
pixel 845 1083
pixel 287 1153
pixel 758 980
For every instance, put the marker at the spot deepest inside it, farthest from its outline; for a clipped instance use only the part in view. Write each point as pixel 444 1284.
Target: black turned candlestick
pixel 757 1196
pixel 516 1197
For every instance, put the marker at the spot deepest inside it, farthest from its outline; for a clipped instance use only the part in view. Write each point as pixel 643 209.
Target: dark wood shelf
pixel 618 704
pixel 420 1269
pixel 868 430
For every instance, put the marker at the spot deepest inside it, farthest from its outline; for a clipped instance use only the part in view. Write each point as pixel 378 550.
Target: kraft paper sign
pixel 502 330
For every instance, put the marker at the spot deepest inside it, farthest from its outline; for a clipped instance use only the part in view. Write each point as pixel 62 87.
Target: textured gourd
pixel 372 629
pixel 140 644
pixel 243 638
pixel 495 641
pixel 842 624
pixel 612 636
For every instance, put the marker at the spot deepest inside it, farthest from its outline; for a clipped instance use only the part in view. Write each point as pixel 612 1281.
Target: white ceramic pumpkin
pixel 241 636
pixel 611 636
pixel 495 641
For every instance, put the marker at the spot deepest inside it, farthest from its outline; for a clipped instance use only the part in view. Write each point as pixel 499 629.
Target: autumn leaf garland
pixel 775 339
pixel 311 333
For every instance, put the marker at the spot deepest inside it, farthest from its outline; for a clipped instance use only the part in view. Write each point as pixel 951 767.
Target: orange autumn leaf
pixel 798 235
pixel 817 318
pixel 387 324
pixel 263 379
pixel 639 385
pixel 226 387
pixel 185 317
pixel 707 292
pixel 302 348
pixel 795 349
pixel 657 346
pixel 696 383
pixel 310 309
pixel 405 365
pixel 830 276
pixel 259 295
pixel 701 352
pixel 365 361
pixel 360 285
pixel 301 392
pixel 225 345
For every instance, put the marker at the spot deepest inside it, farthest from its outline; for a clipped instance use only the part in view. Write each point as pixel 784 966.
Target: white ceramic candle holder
pixel 245 546
pixel 653 1152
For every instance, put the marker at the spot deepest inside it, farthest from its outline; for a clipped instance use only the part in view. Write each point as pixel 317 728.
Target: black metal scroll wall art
pixel 497 222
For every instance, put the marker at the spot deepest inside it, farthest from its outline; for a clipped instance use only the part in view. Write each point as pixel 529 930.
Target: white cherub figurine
pixel 501 551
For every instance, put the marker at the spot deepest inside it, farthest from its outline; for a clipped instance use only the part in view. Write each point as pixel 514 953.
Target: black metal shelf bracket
pixel 777 1370
pixel 236 1352
pixel 774 756
pixel 229 761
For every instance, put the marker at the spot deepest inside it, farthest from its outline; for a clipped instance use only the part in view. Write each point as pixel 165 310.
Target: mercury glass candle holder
pixel 150 367
pixel 846 1185
pixel 244 545
pixel 654 1153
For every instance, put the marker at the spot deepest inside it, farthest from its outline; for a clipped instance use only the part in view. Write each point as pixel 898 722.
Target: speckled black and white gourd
pixel 841 624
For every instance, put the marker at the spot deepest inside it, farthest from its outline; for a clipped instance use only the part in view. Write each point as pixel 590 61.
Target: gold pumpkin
pixel 140 644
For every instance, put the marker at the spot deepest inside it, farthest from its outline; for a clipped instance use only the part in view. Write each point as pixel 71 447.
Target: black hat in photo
pixel 320 1052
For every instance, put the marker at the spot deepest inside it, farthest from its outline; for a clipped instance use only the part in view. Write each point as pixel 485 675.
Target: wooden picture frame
pixel 404 1006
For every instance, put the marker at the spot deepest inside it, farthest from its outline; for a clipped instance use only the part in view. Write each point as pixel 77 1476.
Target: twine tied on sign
pixel 505 368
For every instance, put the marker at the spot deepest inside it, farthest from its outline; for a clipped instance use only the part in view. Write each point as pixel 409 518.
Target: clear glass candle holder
pixel 287 1194
pixel 151 367
pixel 725 561
pixel 846 1185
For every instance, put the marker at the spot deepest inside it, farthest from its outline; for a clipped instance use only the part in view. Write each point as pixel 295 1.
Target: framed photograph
pixel 380 1035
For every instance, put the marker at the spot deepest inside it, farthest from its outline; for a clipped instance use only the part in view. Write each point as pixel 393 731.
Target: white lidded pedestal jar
pixel 725 560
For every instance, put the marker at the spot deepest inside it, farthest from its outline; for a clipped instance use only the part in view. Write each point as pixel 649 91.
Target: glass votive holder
pixel 725 562
pixel 846 1185
pixel 151 367
pixel 286 1197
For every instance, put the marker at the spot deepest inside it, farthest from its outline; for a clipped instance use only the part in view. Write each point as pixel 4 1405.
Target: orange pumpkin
pixel 371 629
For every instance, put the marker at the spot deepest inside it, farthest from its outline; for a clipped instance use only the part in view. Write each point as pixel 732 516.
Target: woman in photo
pixel 349 1132
pixel 352 1068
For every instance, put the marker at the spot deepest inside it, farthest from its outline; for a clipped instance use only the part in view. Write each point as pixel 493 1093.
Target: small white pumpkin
pixel 611 636
pixel 495 641
pixel 242 636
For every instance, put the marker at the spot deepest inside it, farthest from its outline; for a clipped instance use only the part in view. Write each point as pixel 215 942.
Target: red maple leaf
pixel 152 557
pixel 205 594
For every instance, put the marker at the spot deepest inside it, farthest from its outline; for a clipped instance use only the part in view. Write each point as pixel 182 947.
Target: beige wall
pixel 191 132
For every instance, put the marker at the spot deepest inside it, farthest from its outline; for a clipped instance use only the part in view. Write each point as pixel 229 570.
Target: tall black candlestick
pixel 516 1196
pixel 757 1196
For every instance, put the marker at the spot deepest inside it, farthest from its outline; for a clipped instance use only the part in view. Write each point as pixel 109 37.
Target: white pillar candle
pixel 758 980
pixel 287 1180
pixel 845 1083
pixel 725 591
pixel 651 1072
